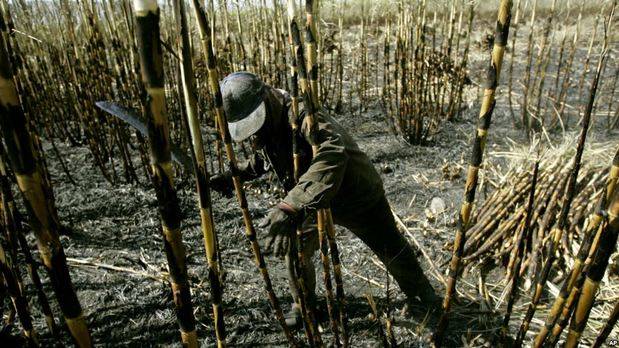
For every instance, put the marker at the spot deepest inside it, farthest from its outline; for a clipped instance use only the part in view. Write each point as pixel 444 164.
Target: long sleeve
pixel 319 184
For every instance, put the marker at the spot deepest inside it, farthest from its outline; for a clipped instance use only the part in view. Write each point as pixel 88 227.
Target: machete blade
pixel 131 118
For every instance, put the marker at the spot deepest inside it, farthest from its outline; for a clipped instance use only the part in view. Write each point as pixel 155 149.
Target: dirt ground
pixel 118 226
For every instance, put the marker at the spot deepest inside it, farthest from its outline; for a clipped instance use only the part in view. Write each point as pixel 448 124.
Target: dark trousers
pixel 376 227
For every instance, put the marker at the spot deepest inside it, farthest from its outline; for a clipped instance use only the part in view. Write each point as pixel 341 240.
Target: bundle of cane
pixel 500 238
pixel 492 236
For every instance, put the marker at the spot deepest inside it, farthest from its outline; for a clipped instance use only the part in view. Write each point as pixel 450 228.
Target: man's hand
pixel 281 226
pixel 222 183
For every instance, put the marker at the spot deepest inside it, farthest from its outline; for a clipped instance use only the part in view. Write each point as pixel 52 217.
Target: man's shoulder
pixel 324 121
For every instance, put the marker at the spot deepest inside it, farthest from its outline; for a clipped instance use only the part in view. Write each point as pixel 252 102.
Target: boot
pixel 293 317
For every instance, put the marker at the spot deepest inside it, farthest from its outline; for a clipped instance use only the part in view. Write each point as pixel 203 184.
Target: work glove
pixel 280 225
pixel 222 183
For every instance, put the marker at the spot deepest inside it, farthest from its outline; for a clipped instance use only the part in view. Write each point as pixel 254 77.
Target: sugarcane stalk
pixel 297 250
pixel 312 104
pixel 526 120
pixel 519 252
pixel 340 64
pixel 13 227
pixel 296 247
pixel 337 275
pixel 462 75
pixel 485 115
pixel 555 90
pixel 3 294
pixel 147 15
pixel 375 318
pixel 608 327
pixel 568 308
pixel 299 74
pixel 202 175
pixel 496 237
pixel 250 232
pixel 15 290
pixel 326 264
pixel 311 107
pixel 585 66
pixel 513 250
pixel 541 65
pixel 608 241
pixel 612 99
pixel 324 219
pixel 511 64
pixel 546 220
pixel 490 225
pixel 311 38
pixel 24 163
pixel 560 101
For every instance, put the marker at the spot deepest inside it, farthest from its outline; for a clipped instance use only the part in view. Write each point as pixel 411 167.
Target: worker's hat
pixel 243 101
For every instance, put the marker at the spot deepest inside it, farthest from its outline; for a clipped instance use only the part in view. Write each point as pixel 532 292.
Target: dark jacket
pixel 340 175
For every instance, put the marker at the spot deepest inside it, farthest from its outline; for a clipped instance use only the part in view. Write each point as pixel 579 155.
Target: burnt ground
pixel 117 225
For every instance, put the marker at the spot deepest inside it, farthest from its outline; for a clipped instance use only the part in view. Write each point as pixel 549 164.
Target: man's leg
pixel 378 230
pixel 309 275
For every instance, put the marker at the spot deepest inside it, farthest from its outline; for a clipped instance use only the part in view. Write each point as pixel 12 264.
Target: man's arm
pixel 322 180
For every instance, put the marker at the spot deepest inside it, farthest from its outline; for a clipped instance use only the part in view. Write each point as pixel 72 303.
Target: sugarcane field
pixel 307 173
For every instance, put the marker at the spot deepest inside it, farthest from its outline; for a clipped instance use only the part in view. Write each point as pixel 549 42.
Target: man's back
pixel 341 175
